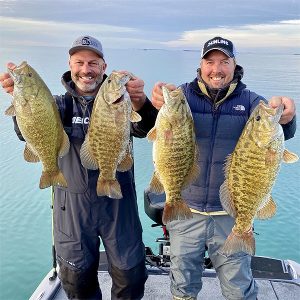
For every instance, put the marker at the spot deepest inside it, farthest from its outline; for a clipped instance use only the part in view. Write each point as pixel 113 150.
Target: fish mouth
pixel 278 112
pixel 13 71
pixel 120 99
pixel 274 113
pixel 15 68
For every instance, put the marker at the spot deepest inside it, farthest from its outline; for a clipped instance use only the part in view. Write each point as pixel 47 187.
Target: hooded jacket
pixel 219 117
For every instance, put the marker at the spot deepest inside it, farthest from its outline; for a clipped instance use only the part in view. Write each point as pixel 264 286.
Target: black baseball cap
pixel 221 44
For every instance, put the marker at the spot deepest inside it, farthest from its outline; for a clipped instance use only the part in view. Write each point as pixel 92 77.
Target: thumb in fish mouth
pixel 275 101
pixel 11 66
pixel 170 86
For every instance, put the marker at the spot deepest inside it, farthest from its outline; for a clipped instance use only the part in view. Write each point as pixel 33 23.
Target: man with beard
pixel 221 106
pixel 80 216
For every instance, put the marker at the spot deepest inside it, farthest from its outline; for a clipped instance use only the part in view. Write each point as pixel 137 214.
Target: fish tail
pixel 110 188
pixel 177 210
pixel 52 178
pixel 239 242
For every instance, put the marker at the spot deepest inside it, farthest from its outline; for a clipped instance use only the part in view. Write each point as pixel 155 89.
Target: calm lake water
pixel 25 219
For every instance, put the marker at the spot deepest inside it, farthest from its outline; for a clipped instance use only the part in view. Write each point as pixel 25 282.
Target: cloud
pixel 30 32
pixel 18 32
pixel 277 34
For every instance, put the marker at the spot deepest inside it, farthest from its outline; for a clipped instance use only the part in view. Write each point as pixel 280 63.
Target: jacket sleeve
pixel 289 129
pixel 148 113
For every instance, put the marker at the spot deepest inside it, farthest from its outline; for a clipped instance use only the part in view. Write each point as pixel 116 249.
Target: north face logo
pixel 239 107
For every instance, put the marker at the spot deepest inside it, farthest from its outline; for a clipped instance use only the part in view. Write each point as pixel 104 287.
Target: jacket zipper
pixel 215 116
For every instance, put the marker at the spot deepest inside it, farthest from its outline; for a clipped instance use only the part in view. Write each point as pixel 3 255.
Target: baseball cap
pixel 87 42
pixel 221 44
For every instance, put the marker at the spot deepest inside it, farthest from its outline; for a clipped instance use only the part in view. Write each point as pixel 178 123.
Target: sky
pixel 157 24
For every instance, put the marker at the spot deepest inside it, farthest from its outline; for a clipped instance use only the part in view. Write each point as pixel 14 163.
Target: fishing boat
pixel 276 278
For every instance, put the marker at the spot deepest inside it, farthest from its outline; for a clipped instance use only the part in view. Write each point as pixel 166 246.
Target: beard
pixel 87 87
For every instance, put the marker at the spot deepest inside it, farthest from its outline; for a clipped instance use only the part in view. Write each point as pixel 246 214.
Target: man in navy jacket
pixel 221 106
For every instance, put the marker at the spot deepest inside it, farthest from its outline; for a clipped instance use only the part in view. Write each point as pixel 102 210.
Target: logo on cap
pixel 217 42
pixel 85 41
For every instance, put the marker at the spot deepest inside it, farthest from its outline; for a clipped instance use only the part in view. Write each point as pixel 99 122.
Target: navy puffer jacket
pixel 218 126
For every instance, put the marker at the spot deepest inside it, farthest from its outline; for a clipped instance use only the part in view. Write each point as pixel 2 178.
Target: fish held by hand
pixel 107 145
pixel 39 122
pixel 174 154
pixel 250 174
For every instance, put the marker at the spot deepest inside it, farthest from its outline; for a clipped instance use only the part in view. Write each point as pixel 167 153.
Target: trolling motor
pixel 154 206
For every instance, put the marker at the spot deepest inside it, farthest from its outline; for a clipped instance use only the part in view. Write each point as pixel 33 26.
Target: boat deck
pixel 273 278
pixel 277 279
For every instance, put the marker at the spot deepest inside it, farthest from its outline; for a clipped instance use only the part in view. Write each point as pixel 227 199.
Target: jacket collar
pixel 218 96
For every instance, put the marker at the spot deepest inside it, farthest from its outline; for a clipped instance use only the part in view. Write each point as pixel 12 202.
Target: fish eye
pixel 258 118
pixel 29 74
pixel 182 101
pixel 109 80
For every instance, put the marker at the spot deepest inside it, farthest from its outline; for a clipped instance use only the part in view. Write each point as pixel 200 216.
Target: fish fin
pixel 289 157
pixel 52 178
pixel 267 210
pixel 156 185
pixel 29 154
pixel 65 145
pixel 226 200
pixel 227 165
pixel 110 188
pixel 151 136
pixel 10 111
pixel 87 159
pixel 244 242
pixel 176 210
pixel 126 163
pixel 135 117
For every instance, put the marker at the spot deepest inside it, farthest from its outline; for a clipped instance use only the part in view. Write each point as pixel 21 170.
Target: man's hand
pixel 289 110
pixel 135 88
pixel 6 81
pixel 157 94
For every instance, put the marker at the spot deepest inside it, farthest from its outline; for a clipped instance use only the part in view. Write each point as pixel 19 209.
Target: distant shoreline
pixel 258 51
pixel 196 50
